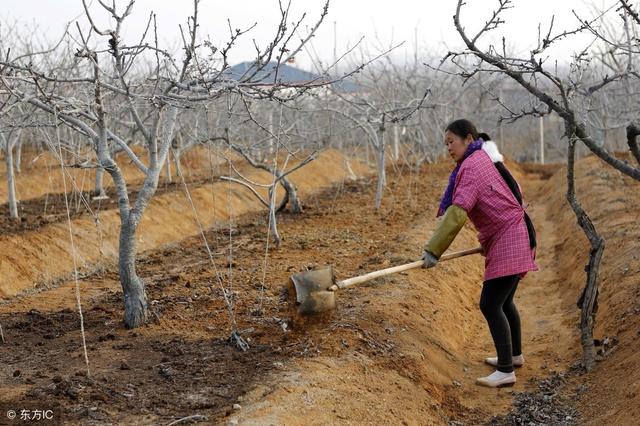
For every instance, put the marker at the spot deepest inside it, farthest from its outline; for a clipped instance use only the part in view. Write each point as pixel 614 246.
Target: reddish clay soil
pixel 185 347
pixel 401 349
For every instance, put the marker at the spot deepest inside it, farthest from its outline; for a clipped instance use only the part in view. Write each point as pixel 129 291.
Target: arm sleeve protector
pixel 446 230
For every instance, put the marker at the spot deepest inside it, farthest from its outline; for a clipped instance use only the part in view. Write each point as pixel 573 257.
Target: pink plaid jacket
pixel 497 215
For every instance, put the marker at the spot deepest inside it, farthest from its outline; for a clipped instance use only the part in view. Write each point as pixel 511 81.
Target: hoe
pixel 315 290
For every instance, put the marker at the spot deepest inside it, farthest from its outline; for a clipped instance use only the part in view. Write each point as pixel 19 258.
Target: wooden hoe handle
pixel 381 273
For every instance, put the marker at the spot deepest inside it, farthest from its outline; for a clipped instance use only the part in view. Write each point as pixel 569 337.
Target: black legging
pixel 496 303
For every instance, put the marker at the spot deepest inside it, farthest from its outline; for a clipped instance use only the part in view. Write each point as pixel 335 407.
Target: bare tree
pixel 10 137
pixel 270 145
pixel 108 95
pixel 374 107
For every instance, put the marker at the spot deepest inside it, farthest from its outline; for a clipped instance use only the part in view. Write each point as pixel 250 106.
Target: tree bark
pixel 396 143
pixel 18 160
pixel 272 216
pixel 633 130
pixel 98 190
pixel 588 300
pixel 292 195
pixel 382 176
pixel 168 168
pixel 176 159
pixel 283 203
pixel 11 184
pixel 133 288
pixel 135 297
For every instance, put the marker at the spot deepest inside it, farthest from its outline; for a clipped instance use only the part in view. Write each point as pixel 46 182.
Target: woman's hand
pixel 428 260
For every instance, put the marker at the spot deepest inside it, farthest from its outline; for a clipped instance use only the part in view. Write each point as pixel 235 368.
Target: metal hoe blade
pixel 312 295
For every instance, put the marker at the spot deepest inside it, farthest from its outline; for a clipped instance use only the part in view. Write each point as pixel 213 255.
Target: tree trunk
pixel 18 161
pixel 168 167
pixel 272 140
pixel 294 202
pixel 382 176
pixel 135 297
pixel 541 140
pixel 272 216
pixel 11 184
pixel 588 300
pixel 176 158
pixel 98 190
pixel 396 143
pixel 633 130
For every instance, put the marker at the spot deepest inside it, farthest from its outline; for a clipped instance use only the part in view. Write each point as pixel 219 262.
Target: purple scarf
pixel 447 198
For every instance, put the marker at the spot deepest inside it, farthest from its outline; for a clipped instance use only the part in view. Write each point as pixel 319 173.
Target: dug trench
pixel 42 200
pixel 39 257
pixel 36 213
pixel 403 349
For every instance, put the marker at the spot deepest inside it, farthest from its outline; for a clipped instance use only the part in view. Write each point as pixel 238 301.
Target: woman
pixel 481 188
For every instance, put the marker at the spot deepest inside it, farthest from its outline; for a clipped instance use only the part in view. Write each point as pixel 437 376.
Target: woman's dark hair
pixel 462 128
pixel 485 137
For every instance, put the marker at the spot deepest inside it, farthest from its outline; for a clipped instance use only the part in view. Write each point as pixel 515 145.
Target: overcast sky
pixel 381 22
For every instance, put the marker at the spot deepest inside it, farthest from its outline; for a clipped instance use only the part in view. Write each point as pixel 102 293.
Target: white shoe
pixel 518 361
pixel 497 379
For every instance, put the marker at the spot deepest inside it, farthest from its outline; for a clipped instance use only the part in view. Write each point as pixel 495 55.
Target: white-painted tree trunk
pixel 272 139
pixel 98 190
pixel 11 184
pixel 168 169
pixel 396 143
pixel 381 166
pixel 9 142
pixel 273 224
pixel 18 159
pixel 541 140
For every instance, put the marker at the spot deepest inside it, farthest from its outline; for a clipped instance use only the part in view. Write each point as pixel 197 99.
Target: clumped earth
pixel 547 405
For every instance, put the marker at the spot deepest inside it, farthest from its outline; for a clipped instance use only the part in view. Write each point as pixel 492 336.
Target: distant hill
pixel 287 74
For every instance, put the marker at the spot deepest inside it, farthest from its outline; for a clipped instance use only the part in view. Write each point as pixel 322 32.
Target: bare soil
pixel 187 340
pixel 35 213
pixel 403 349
